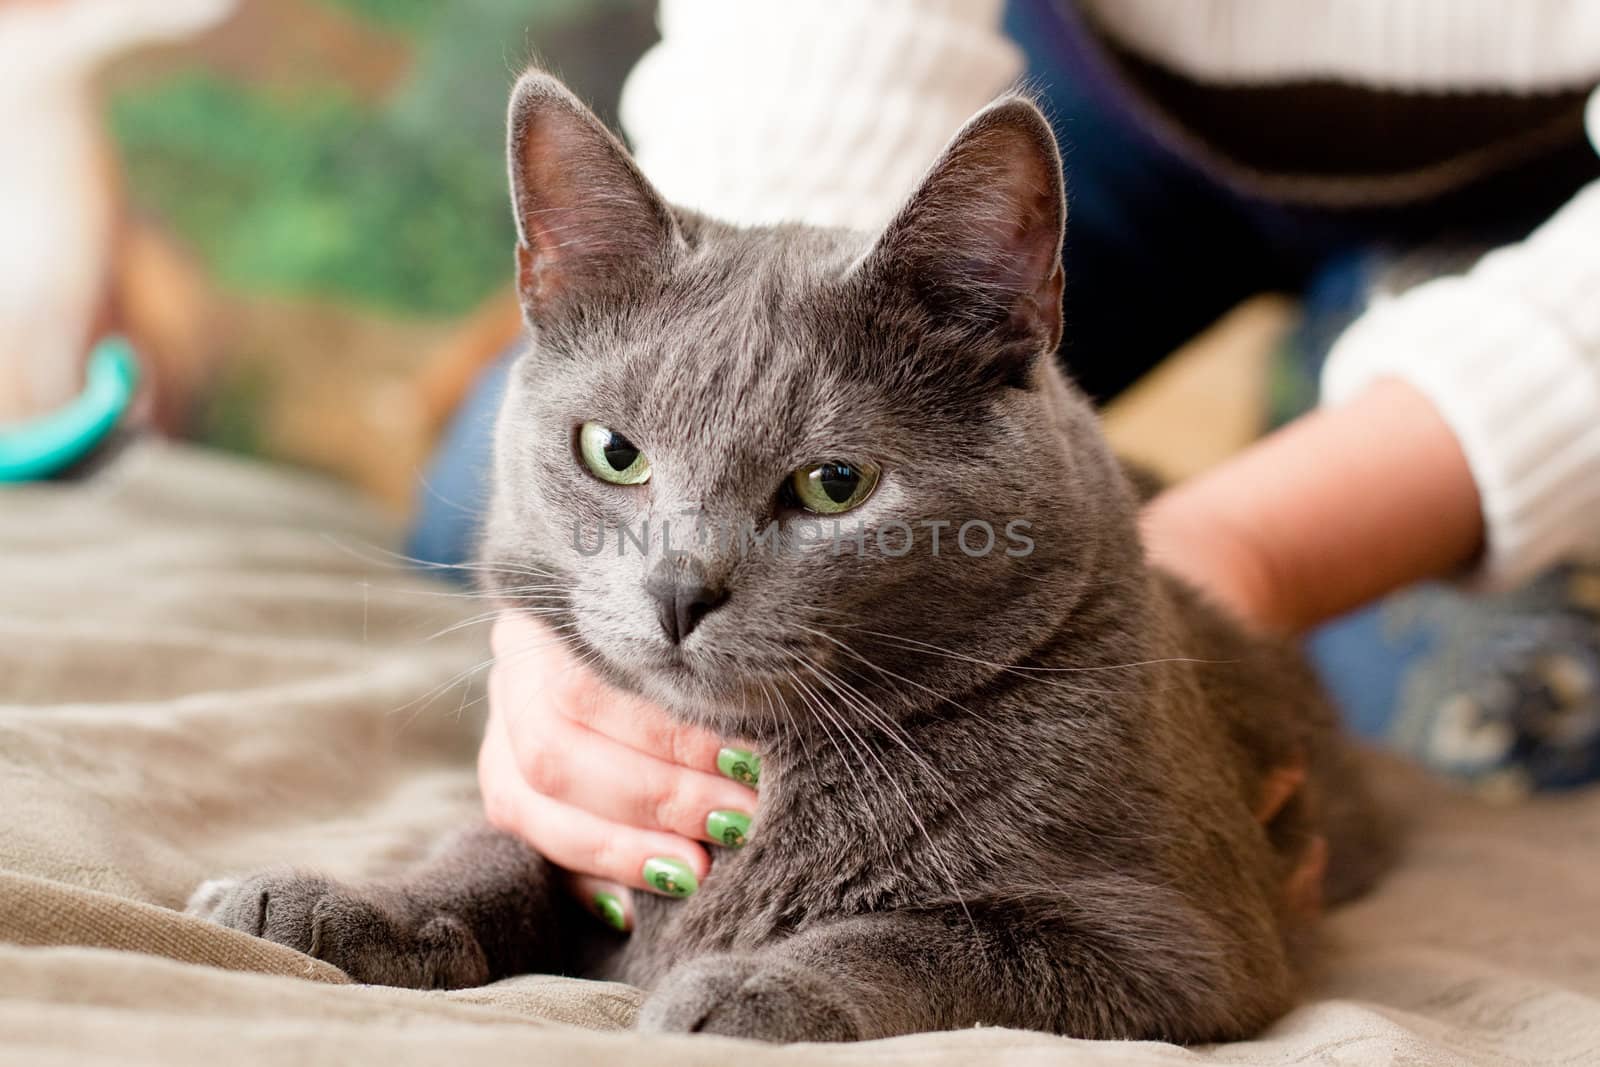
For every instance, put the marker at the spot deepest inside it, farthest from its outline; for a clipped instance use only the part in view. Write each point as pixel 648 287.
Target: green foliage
pixel 231 417
pixel 400 204
pixel 317 194
pixel 412 15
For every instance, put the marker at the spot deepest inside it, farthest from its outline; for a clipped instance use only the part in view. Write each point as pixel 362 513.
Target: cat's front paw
pixel 372 940
pixel 766 998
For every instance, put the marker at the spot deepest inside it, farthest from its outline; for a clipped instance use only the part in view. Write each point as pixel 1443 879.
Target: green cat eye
pixel 834 487
pixel 611 457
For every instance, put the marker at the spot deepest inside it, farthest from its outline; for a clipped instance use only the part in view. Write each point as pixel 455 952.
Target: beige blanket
pixel 207 666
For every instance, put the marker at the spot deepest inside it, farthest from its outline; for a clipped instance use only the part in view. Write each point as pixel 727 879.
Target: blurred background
pixel 296 207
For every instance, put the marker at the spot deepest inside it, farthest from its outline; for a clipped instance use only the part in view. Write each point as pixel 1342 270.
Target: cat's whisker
pixel 772 710
pixel 935 652
pixel 464 624
pixel 468 594
pixel 581 660
pixel 527 605
pixel 797 686
pixel 400 561
pixel 879 720
pixel 1042 670
pixel 864 745
pixel 775 700
pixel 464 675
pixel 891 674
pixel 941 697
pixel 433 694
pixel 823 717
pixel 896 733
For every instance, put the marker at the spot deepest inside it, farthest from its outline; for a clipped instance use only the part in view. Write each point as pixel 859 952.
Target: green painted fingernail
pixel 610 909
pixel 670 876
pixel 728 827
pixel 740 765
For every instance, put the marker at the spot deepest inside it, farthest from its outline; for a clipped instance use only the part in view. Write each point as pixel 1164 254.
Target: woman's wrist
pixel 1186 536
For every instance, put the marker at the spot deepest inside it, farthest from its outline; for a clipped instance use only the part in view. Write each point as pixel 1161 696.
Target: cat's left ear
pixel 980 239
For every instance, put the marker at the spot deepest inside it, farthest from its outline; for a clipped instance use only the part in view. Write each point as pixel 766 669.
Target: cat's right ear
pixel 588 223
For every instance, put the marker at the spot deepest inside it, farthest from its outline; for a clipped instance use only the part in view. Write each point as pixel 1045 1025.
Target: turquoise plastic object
pixel 51 443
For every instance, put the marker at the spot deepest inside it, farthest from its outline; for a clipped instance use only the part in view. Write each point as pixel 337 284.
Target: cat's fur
pixel 1014 791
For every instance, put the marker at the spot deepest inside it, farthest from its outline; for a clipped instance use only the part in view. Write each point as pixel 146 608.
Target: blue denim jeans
pixel 454 491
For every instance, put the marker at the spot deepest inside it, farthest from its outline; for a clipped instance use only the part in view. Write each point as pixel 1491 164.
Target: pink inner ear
pixel 1027 237
pixel 1036 236
pixel 586 215
pixel 566 209
pixel 988 220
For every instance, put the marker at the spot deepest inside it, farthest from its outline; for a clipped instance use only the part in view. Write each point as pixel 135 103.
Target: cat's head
pixel 748 389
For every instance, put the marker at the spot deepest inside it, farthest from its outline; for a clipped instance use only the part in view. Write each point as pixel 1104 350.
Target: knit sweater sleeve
pixel 822 111
pixel 1509 354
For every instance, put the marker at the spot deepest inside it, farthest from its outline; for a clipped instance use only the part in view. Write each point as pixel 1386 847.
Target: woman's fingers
pixel 529 652
pixel 641 726
pixel 600 782
pixel 578 767
pixel 610 902
pixel 579 841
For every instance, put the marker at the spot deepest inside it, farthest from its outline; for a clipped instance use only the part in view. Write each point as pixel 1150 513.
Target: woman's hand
pixel 600 782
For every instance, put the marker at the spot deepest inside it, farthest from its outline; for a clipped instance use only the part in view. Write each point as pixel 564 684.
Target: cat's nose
pixel 680 606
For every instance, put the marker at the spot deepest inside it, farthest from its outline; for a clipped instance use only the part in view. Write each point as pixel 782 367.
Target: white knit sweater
pixel 828 110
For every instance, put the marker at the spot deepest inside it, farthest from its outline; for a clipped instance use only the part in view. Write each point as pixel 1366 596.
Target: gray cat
pixel 1012 788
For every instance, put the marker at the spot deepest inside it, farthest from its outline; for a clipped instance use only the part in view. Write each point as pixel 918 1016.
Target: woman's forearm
pixel 1336 509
